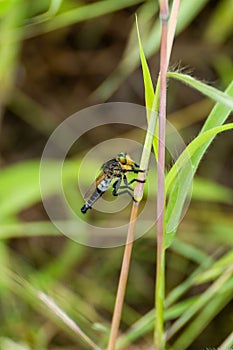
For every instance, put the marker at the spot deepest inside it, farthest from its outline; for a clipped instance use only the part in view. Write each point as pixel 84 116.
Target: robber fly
pixel 115 168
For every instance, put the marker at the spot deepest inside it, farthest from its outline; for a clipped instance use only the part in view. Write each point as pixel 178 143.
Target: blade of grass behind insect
pixel 20 188
pixel 204 298
pixel 31 295
pixel 151 97
pixel 205 89
pixel 146 323
pixel 180 188
pixel 138 193
pixel 79 14
pixel 71 255
pixel 211 191
pixel 228 343
pixel 130 61
pixel 52 11
pixel 179 185
pixel 56 310
pixel 204 318
pixel 9 344
pixel 12 29
pixel 146 14
pixel 216 269
pixel 219 27
pixel 27 229
pixel 148 84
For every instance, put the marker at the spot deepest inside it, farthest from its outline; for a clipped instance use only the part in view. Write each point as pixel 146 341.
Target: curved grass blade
pixel 78 14
pixel 194 152
pixel 188 11
pixel 180 188
pixel 206 315
pixel 151 98
pixel 148 84
pixel 205 89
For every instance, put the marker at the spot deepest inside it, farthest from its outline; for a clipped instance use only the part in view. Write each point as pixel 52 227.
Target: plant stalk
pixel 123 279
pixel 160 271
pixel 138 193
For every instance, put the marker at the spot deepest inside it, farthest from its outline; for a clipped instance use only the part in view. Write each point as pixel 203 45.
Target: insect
pixel 115 168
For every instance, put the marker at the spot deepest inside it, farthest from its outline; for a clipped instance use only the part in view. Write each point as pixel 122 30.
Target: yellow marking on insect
pixel 125 159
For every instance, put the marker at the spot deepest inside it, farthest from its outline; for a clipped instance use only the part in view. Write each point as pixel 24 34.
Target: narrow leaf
pixel 148 84
pixel 205 89
pixel 182 184
pixel 178 186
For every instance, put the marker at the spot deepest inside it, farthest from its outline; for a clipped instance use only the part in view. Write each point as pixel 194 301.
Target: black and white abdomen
pixel 101 188
pixel 104 184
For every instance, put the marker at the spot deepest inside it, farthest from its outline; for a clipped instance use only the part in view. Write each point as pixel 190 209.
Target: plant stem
pixel 172 27
pixel 123 279
pixel 159 298
pixel 138 193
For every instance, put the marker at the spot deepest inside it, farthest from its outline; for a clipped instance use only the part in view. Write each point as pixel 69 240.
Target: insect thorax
pixel 112 168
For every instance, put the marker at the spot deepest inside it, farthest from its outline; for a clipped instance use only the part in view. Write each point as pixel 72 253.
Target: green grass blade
pixel 210 191
pixel 191 149
pixel 180 188
pixel 51 12
pixel 27 229
pixel 204 298
pixel 146 323
pixel 179 185
pixel 205 89
pixel 219 27
pixel 188 11
pixel 19 187
pixel 204 318
pixel 219 113
pixel 216 269
pixel 148 84
pixel 79 14
pixel 19 184
pixel 9 344
pixel 228 342
pixel 11 26
pixel 151 101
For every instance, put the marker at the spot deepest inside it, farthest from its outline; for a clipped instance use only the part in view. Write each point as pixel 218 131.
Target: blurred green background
pixel 57 57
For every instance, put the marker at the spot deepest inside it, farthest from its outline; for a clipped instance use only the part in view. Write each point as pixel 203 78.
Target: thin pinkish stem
pixel 159 299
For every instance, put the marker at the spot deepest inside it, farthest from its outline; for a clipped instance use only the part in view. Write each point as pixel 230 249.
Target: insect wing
pixel 94 185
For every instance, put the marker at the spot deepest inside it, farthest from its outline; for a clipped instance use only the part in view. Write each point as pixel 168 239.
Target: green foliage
pixel 34 257
pixel 13 14
pixel 178 183
pixel 194 153
pixel 205 89
pixel 219 27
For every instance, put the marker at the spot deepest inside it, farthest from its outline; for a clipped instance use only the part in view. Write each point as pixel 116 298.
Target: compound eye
pixel 122 158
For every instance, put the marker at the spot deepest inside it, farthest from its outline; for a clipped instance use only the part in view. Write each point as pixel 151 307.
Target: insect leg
pixel 116 186
pixel 126 187
pixel 127 183
pixel 136 180
pixel 123 192
pixel 136 171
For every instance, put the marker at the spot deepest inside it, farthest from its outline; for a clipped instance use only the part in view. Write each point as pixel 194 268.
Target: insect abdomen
pixel 96 194
pixel 104 184
pixel 101 188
